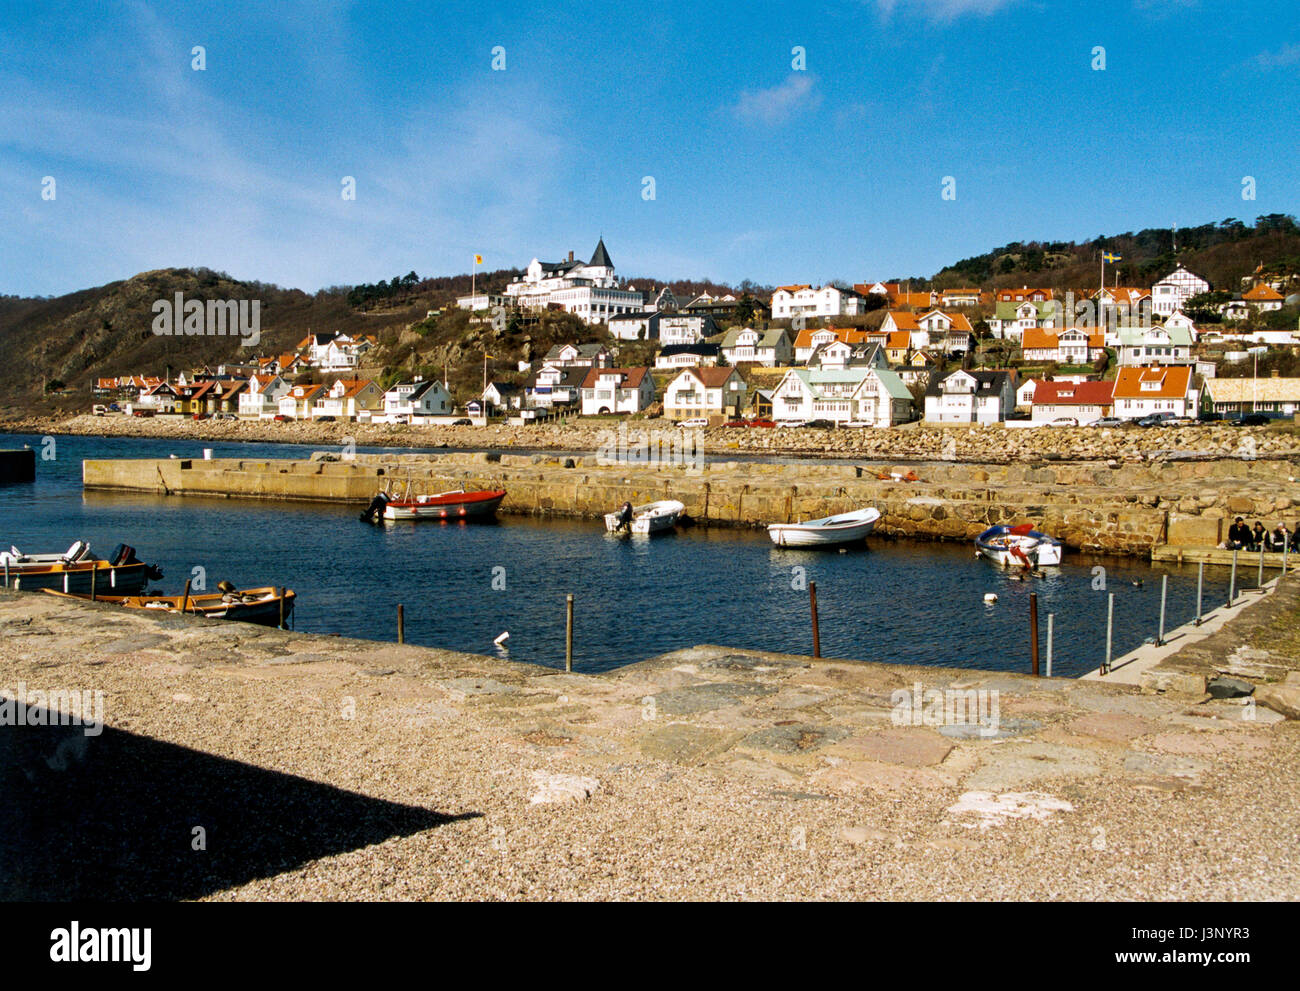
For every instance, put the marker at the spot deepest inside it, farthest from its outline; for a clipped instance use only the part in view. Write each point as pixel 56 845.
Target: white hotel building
pixel 590 290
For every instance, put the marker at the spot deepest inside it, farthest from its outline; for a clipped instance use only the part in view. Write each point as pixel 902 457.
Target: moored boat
pixel 264 606
pixel 1020 546
pixel 78 571
pixel 445 506
pixel 652 517
pixel 830 531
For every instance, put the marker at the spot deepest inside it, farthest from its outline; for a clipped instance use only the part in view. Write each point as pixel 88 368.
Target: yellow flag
pixel 478 259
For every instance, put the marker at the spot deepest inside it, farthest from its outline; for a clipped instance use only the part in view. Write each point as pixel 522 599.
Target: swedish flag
pixel 1110 258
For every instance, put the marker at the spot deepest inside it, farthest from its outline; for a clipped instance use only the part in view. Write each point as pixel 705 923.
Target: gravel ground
pixel 375 771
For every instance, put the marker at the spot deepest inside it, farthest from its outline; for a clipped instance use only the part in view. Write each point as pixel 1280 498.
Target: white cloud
pixel 942 10
pixel 778 104
pixel 1287 55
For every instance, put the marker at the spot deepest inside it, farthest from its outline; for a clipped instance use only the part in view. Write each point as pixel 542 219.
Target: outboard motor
pixel 125 554
pixel 375 511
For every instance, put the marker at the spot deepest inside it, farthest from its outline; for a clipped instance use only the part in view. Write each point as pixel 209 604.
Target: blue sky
pixel 760 171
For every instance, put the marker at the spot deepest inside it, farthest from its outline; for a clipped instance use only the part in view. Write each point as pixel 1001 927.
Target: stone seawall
pixel 1115 507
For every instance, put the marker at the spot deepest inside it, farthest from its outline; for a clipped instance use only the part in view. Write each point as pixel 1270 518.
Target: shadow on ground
pixel 112 817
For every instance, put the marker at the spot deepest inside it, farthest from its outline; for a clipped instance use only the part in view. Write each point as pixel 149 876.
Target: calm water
pixel 894 601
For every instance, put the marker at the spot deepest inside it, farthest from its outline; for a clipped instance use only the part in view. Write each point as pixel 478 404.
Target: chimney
pixel 1276 373
pixel 570 256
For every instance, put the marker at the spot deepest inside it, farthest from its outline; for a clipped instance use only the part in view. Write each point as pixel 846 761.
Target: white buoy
pixel 502 639
pixel 990 596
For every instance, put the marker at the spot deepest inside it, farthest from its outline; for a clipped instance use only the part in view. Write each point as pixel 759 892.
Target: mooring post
pixel 1285 547
pixel 1260 582
pixel 185 599
pixel 401 623
pixel 1050 616
pixel 280 594
pixel 94 566
pixel 1033 632
pixel 568 633
pixel 1110 630
pixel 6 572
pixel 1232 581
pixel 812 601
pixel 1200 589
pixel 1164 596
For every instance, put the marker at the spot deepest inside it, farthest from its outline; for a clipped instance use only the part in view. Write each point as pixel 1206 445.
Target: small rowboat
pixel 445 506
pixel 846 528
pixel 1020 546
pixel 78 571
pixel 653 517
pixel 263 606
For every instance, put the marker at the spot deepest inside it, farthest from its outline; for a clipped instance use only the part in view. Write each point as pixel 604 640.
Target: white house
pixel 407 401
pixel 1170 293
pixel 1264 297
pixel 334 352
pixel 503 395
pixel 1082 401
pixel 861 395
pixel 297 402
pixel 684 328
pixel 641 326
pixel 1155 346
pixel 805 301
pixel 590 290
pixel 262 396
pixel 711 392
pixel 1071 346
pixel 349 399
pixel 616 390
pixel 969 397
pixel 1157 389
pixel 554 385
pixel 1025 393
pixel 1012 319
pixel 594 355
pixel 686 355
pixel 768 348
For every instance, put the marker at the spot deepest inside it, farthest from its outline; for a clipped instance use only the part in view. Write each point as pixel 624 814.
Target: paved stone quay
pixel 1113 507
pixel 238 762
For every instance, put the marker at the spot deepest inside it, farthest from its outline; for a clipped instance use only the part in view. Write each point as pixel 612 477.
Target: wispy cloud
pixel 942 10
pixel 777 104
pixel 1284 56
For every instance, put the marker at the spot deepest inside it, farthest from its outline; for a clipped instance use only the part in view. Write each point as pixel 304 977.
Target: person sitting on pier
pixel 1295 536
pixel 1279 538
pixel 1259 538
pixel 1238 536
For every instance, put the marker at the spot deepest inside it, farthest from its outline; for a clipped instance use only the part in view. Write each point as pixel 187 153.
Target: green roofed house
pixel 1155 346
pixel 863 396
pixel 1011 319
pixel 768 348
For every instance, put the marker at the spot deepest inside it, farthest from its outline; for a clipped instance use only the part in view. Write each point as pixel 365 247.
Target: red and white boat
pixel 446 506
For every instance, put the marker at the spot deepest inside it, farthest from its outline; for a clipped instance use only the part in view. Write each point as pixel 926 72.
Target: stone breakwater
pixel 1108 507
pixel 976 444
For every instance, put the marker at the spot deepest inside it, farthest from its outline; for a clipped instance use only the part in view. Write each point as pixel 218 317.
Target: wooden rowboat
pixel 831 531
pixel 446 507
pixel 264 606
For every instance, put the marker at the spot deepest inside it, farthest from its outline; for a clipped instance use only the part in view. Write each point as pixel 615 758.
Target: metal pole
pixel 568 633
pixel 94 566
pixel 6 572
pixel 1110 629
pixel 812 599
pixel 1260 582
pixel 280 592
pixel 1164 595
pixel 1232 582
pixel 401 623
pixel 1200 590
pixel 1033 632
pixel 185 599
pixel 1050 617
pixel 1285 547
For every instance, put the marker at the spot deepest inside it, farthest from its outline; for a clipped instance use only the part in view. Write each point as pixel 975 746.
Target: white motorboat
pixel 1020 546
pixel 653 517
pixel 847 528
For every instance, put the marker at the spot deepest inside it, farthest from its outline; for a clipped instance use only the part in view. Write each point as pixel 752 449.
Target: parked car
pixel 694 421
pixel 821 424
pixel 225 416
pixel 1211 417
pixel 280 418
pixel 1181 421
pixel 1156 420
pixel 1252 419
pixel 1108 421
pixel 462 422
pixel 201 416
pixel 326 419
pixel 98 410
pixel 1064 421
pixel 142 412
pixel 114 408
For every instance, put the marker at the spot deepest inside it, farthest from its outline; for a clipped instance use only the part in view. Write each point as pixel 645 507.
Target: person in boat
pixel 624 518
pixel 1238 536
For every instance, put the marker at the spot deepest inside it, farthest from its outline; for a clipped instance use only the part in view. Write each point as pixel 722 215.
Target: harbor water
pixel 463 585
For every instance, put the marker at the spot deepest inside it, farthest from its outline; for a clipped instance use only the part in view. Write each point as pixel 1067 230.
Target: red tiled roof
pixel 1173 381
pixel 1262 293
pixel 1074 393
pixel 630 378
pixel 711 377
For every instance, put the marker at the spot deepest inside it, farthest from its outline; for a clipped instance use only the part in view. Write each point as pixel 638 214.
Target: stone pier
pixel 1108 507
